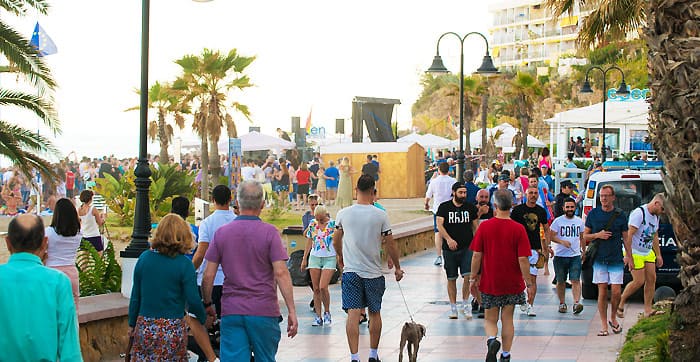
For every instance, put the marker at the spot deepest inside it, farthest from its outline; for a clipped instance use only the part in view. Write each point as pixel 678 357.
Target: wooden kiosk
pixel 401 165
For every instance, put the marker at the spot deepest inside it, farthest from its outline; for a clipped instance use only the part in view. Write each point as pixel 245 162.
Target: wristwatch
pixel 207 305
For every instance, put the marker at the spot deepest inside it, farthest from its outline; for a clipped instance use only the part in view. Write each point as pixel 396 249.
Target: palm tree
pixel 165 100
pixel 609 20
pixel 208 77
pixel 22 147
pixel 518 100
pixel 675 110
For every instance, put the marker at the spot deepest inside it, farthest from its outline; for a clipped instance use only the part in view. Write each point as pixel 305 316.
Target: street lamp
pixel 438 68
pixel 142 212
pixel 622 90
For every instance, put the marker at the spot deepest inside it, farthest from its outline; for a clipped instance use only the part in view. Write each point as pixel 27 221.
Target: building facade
pixel 524 33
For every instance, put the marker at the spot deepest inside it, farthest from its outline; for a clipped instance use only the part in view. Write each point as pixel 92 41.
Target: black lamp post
pixel 439 68
pixel 142 213
pixel 622 90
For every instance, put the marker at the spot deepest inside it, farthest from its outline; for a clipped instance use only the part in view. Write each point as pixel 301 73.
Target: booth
pixel 401 165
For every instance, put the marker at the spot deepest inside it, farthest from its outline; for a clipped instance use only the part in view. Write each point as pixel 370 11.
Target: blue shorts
pixel 322 262
pixel 242 333
pixel 359 293
pixel 567 266
pixel 435 229
pixel 457 259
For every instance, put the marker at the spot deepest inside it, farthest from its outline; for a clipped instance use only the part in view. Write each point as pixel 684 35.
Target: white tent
pixel 427 140
pixel 504 140
pixel 256 141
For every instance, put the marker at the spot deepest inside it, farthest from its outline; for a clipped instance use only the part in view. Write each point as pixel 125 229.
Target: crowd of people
pixel 497 238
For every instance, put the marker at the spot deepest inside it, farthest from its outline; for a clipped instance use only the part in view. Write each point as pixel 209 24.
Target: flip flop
pixel 616 329
pixel 603 334
pixel 620 312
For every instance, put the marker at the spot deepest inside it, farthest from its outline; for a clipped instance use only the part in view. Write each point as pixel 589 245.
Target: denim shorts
pixel 435 228
pixel 242 333
pixel 608 273
pixel 457 259
pixel 567 266
pixel 359 293
pixel 322 262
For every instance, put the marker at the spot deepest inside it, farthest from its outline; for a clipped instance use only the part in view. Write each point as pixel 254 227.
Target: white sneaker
pixel 453 314
pixel 523 307
pixel 467 311
pixel 438 260
pixel 531 311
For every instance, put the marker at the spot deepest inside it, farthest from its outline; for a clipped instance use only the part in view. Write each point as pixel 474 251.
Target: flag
pixel 308 122
pixel 451 120
pixel 42 42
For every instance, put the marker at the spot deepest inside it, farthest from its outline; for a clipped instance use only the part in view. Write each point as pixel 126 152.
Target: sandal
pixel 620 312
pixel 616 329
pixel 603 334
pixel 363 318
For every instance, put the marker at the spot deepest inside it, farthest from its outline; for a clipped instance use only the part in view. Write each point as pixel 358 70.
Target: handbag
pixel 592 249
pixel 540 260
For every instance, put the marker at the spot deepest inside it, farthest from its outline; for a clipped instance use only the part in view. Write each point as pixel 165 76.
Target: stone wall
pixel 103 338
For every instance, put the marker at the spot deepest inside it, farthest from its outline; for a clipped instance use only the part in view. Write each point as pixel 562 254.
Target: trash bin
pixel 293 239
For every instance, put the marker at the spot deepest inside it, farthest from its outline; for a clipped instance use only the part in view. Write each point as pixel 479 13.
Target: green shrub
pixel 99 274
pixel 277 207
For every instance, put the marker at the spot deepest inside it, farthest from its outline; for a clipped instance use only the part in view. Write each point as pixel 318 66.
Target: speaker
pixel 296 124
pixel 300 137
pixel 339 126
pixel 253 129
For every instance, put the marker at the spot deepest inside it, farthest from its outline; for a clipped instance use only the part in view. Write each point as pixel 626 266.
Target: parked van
pixel 633 188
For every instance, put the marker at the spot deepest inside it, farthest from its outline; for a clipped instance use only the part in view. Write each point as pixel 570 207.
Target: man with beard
pixel 457 221
pixel 566 233
pixel 531 216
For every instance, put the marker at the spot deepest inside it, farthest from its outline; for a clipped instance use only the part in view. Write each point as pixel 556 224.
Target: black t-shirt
pixel 370 169
pixel 531 218
pixel 458 222
pixel 313 169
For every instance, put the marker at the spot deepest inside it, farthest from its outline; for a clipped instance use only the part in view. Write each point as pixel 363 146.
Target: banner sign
pixel 635 94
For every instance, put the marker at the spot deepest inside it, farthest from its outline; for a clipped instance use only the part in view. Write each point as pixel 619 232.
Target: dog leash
pixel 405 303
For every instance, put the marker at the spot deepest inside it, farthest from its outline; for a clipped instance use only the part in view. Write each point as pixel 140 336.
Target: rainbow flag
pixel 308 122
pixel 451 120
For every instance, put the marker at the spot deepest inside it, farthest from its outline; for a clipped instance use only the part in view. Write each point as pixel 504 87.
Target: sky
pixel 311 56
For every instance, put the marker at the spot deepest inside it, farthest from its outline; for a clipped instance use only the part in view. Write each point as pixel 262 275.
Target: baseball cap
pixel 458 185
pixel 567 183
pixel 504 177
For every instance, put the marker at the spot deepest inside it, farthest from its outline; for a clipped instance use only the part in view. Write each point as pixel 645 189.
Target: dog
pixel 412 333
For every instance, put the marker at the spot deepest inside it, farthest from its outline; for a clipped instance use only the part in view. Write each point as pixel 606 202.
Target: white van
pixel 633 188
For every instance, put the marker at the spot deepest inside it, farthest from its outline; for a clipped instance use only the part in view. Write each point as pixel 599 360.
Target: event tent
pixel 427 140
pixel 256 141
pixel 504 140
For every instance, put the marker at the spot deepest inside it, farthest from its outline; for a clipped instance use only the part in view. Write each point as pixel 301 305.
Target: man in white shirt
pixel 646 254
pixel 248 171
pixel 221 216
pixel 567 234
pixel 440 190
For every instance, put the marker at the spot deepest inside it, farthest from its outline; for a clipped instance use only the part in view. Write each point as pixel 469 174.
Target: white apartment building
pixel 524 33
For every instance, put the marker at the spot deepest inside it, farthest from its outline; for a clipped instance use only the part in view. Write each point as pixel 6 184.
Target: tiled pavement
pixel 550 336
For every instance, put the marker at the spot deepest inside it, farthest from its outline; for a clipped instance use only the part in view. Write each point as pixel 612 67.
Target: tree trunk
pixel 205 152
pixel 162 137
pixel 525 125
pixel 672 36
pixel 214 161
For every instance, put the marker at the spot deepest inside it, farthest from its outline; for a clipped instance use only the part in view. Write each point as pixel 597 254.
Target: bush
pixel 99 274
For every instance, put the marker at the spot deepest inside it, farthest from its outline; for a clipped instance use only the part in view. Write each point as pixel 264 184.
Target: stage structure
pixel 375 113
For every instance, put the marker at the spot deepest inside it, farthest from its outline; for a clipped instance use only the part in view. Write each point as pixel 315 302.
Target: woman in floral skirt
pixel 164 285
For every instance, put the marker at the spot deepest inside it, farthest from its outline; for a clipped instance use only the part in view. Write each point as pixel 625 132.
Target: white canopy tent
pixel 427 140
pixel 256 141
pixel 504 140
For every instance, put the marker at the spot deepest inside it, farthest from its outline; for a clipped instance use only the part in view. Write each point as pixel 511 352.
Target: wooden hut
pixel 401 165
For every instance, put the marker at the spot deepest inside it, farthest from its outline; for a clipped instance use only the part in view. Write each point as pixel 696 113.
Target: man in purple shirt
pixel 253 259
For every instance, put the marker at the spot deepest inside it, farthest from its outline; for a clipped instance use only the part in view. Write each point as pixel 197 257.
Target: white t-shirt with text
pixel 569 230
pixel 647 225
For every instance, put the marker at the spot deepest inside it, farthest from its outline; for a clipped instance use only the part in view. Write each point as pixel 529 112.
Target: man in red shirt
pixel 500 271
pixel 70 183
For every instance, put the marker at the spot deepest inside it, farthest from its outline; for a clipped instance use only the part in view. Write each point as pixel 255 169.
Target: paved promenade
pixel 550 336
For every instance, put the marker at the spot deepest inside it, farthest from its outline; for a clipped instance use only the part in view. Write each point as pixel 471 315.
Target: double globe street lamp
pixel 438 68
pixel 622 90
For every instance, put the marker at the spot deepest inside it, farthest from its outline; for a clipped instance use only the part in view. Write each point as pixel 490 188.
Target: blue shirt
pixel 472 189
pixel 38 319
pixel 610 250
pixel 207 229
pixel 332 172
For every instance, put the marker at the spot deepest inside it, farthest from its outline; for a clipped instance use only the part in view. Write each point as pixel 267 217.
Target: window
pixel 637 140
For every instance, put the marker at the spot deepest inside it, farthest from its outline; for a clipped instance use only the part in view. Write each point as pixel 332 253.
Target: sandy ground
pixel 399 210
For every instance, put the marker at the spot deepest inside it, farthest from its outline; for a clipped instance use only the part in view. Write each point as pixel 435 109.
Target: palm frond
pixel 20 8
pixel 612 20
pixel 38 105
pixel 21 146
pixel 18 51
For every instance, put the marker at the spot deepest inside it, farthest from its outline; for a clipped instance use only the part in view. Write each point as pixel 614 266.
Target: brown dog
pixel 412 333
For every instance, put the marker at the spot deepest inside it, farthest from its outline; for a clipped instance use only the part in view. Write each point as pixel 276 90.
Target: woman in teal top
pixel 164 286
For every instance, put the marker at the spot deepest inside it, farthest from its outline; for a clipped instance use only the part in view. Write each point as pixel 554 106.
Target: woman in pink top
pixel 544 159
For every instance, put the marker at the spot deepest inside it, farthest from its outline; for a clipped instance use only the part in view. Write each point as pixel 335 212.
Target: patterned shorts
pixel 359 293
pixel 159 339
pixel 500 301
